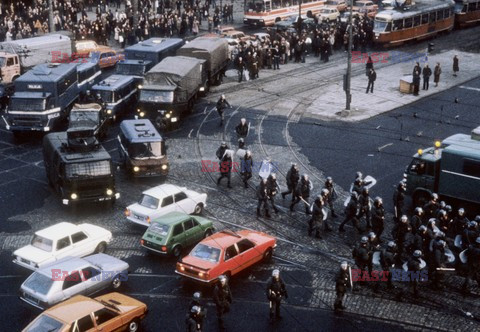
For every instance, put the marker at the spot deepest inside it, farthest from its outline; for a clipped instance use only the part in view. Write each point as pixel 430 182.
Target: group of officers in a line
pixel 222 297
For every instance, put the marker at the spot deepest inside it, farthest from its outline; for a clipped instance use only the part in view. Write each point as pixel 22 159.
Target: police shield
pixel 240 153
pixel 265 169
pixel 325 213
pixel 463 256
pixel 422 265
pixel 458 241
pixel 449 256
pixel 370 179
pixel 376 258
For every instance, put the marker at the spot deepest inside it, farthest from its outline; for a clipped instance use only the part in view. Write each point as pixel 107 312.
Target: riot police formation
pixel 276 290
pixel 351 212
pixel 247 167
pixel 316 222
pixel 242 128
pixel 359 183
pixel 221 150
pixel 272 189
pixel 293 176
pixel 262 196
pixel 399 199
pixel 222 296
pixel 222 103
pixel 226 165
pixel 378 218
pixel 342 281
pixel 302 193
pixel 196 314
pixel 331 196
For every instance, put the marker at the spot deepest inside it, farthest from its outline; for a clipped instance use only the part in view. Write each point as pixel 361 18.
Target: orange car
pixel 110 312
pixel 85 47
pixel 226 253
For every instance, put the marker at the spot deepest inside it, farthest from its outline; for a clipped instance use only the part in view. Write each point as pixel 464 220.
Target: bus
pixel 267 12
pixel 396 26
pixel 467 12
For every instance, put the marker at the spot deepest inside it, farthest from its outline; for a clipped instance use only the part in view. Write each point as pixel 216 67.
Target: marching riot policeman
pixel 293 176
pixel 242 128
pixel 341 283
pixel 272 189
pixel 303 193
pixel 331 196
pixel 316 223
pixel 364 206
pixel 262 195
pixel 417 219
pixel 351 211
pixel 325 194
pixel 388 259
pixel 221 150
pixel 276 290
pixel 247 166
pixel 194 320
pixel 222 103
pixel 473 263
pixel 399 199
pixel 414 265
pixel 222 296
pixel 431 207
pixel 378 217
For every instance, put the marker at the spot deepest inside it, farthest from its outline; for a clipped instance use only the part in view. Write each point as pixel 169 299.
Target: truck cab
pixel 78 167
pixel 9 67
pixel 135 68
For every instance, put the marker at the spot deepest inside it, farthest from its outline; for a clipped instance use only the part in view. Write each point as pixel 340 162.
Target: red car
pixel 227 253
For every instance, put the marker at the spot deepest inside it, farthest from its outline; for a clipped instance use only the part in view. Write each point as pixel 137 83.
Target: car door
pixel 83 324
pixel 107 320
pixel 230 260
pixel 93 280
pixel 183 203
pixel 178 235
pixel 63 248
pixel 73 285
pixel 166 206
pixel 82 244
pixel 247 253
pixel 193 232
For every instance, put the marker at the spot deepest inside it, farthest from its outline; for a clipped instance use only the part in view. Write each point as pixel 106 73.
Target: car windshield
pixel 149 201
pixel 91 169
pixel 206 253
pixel 130 69
pixel 42 243
pixel 39 283
pixel 106 96
pixel 85 117
pixel 45 323
pixel 2 62
pixel 145 150
pixel 156 96
pixel 379 26
pixel 28 104
pixel 159 229
pixel 255 6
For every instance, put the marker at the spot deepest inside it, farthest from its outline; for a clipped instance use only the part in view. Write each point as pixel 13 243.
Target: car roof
pixel 77 307
pixel 113 82
pixel 222 239
pixel 140 131
pixel 163 190
pixel 172 218
pixel 58 230
pixel 48 72
pixel 68 264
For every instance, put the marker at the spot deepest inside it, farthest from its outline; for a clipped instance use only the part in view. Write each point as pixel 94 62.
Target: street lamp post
pixel 349 63
pixel 50 16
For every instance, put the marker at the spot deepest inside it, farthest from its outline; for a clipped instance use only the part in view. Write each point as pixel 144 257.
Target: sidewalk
pixel 330 104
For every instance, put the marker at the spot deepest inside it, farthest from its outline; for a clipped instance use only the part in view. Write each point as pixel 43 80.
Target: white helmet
pixel 276 273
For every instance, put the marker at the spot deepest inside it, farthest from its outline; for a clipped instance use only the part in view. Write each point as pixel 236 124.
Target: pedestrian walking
pixel 222 296
pixel 262 195
pixel 222 103
pixel 342 281
pixel 241 66
pixel 316 222
pixel 272 189
pixel 456 67
pixel 372 76
pixel 242 128
pixel 436 74
pixel 221 150
pixel 416 82
pixel 276 58
pixel 368 65
pixel 276 290
pixel 226 166
pixel 427 72
pixel 293 176
pixel 247 167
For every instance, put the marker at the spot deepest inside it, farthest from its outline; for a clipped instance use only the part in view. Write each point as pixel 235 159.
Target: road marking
pixel 384 146
pixel 469 88
pixel 190 133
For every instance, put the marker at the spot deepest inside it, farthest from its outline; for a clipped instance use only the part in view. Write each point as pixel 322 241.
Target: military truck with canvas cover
pixel 214 51
pixel 78 167
pixel 450 168
pixel 43 98
pixel 170 89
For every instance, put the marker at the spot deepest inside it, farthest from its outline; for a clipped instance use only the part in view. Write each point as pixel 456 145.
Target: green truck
pixel 451 168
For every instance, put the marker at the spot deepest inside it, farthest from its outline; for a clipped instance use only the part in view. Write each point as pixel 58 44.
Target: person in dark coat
pixel 414 265
pixel 242 128
pixel 222 103
pixel 247 167
pixel 416 82
pixel 372 76
pixel 331 196
pixel 388 259
pixel 262 196
pixel 368 65
pixel 398 200
pixel 221 150
pixel 378 217
pixel 436 74
pixel 316 223
pixel 276 290
pixel 456 67
pixel 272 189
pixel 416 68
pixel 222 296
pixel 351 212
pixel 473 263
pixel 427 72
pixel 341 283
pixel 292 178
pixel 240 68
pixel 226 166
pixel 302 193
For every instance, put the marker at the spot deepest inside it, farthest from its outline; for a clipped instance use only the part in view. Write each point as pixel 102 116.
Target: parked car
pixel 107 58
pixel 328 14
pixel 226 253
pixel 341 5
pixel 110 312
pixel 160 200
pixel 86 47
pixel 171 233
pixel 73 276
pixel 364 4
pixel 61 240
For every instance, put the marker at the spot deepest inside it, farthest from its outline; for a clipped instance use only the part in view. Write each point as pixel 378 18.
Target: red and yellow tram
pixel 467 12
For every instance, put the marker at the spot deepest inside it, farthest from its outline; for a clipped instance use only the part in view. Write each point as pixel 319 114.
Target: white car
pixel 73 276
pixel 59 241
pixel 163 199
pixel 330 14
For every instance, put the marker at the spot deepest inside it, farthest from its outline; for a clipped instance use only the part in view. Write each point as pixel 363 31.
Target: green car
pixel 171 233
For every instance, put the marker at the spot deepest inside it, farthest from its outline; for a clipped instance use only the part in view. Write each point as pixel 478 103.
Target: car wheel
pixel 267 255
pixel 198 209
pixel 208 232
pixel 133 326
pixel 116 282
pixel 177 251
pixel 100 249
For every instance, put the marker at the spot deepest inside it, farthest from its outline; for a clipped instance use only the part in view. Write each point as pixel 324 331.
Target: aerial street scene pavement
pixel 229 165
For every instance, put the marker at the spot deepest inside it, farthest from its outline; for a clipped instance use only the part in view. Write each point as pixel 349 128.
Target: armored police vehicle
pixel 142 149
pixel 78 167
pixel 43 98
pixel 88 75
pixel 118 92
pixel 90 116
pixel 451 168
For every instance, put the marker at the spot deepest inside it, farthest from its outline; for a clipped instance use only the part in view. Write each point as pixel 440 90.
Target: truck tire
pixel 420 198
